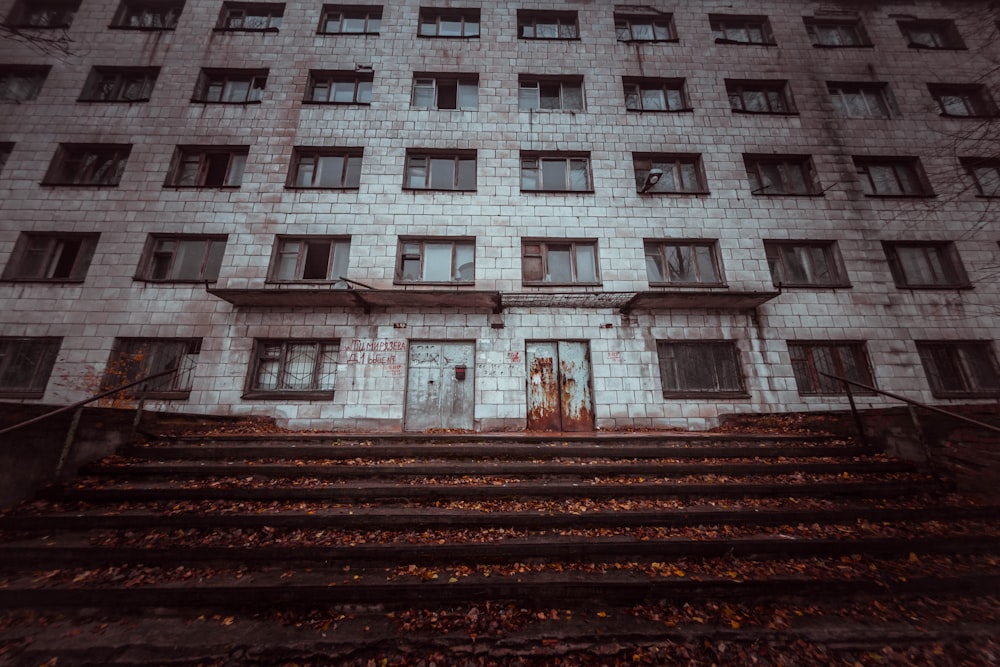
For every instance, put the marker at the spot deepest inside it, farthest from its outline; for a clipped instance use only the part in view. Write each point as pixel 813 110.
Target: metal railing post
pixel 859 423
pixel 74 424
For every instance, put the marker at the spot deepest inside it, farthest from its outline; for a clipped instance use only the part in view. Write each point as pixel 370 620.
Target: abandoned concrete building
pixel 456 214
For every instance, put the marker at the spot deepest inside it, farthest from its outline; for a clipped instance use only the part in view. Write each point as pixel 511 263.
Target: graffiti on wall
pixel 386 353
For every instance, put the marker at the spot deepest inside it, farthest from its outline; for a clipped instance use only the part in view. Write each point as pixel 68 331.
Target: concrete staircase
pixel 467 549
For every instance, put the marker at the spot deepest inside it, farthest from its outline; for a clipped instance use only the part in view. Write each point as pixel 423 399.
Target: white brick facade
pixel 627 389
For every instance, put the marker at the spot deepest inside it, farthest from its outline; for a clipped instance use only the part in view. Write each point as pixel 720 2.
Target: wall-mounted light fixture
pixel 652 178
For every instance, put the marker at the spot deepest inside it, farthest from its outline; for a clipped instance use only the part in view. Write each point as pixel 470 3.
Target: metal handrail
pixel 80 404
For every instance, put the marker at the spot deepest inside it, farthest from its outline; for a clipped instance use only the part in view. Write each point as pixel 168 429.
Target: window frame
pixel 434 15
pixel 170 10
pixel 328 78
pixel 962 358
pixel 723 24
pixel 224 78
pixel 403 255
pixel 973 97
pixel 540 157
pixel 806 371
pixel 121 369
pixel 208 271
pixel 939 256
pixel 50 248
pixel 47 348
pixel 839 90
pixel 526 82
pixel 437 81
pixel 674 385
pixel 544 249
pixel 778 260
pixel 338 254
pixel 184 153
pixel 643 163
pixel 6 148
pixel 739 89
pixel 942 32
pixel 429 157
pixel 783 163
pixel 640 85
pixel 61 171
pixel 36 75
pixel 352 160
pixel 324 348
pixel 855 25
pixel 660 248
pixel 532 18
pixel 23 11
pixel 864 164
pixel 120 79
pixel 973 166
pixel 624 20
pixel 368 11
pixel 272 12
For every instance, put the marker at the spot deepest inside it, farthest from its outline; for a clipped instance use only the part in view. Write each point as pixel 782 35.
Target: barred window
pixel 700 368
pixel 136 358
pixel 294 367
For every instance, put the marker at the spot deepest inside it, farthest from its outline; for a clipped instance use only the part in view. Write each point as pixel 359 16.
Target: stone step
pixel 131 469
pixel 364 557
pixel 430 518
pixel 245 489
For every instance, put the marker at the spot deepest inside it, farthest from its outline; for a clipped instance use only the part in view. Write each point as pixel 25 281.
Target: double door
pixel 559 393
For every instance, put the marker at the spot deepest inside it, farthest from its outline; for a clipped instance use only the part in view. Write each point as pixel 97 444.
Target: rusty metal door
pixel 440 386
pixel 559 396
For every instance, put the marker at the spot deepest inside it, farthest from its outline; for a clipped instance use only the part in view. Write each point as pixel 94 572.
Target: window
pixel 840 358
pixel 25 365
pixel 892 177
pixel 43 13
pixel 861 99
pixel 682 262
pixel 98 165
pixel 555 94
pixel 963 100
pixel 781 175
pixel 440 171
pixel 759 96
pixel 923 34
pixel 986 174
pixel 136 358
pixel 250 16
pixel 966 368
pixel 297 367
pixel 928 264
pixel 555 173
pixel 5 150
pixel 230 86
pixel 326 168
pixel 655 95
pixel 181 259
pixel 804 264
pixel 148 14
pixel 559 262
pixel 711 367
pixel 350 20
pixel 449 22
pixel 645 28
pixel 331 87
pixel 56 257
pixel 21 84
pixel 311 259
pixel 432 91
pixel 836 33
pixel 676 173
pixel 208 167
pixel 436 261
pixel 547 25
pixel 120 84
pixel 741 29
